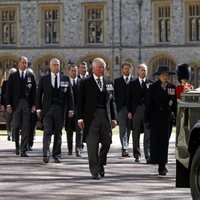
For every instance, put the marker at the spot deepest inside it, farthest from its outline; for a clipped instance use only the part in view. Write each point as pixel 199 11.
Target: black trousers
pixel 21 121
pixel 53 124
pixel 99 132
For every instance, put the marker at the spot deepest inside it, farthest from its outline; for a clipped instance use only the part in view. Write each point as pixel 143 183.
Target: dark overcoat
pixel 87 101
pixel 159 108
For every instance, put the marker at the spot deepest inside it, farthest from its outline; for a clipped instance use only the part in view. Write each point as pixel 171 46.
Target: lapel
pixel 138 85
pixel 48 82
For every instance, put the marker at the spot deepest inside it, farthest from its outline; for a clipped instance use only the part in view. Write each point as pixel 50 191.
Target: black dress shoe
pixel 23 154
pixel 137 160
pixel 69 153
pixel 148 160
pixel 45 159
pixel 96 176
pixel 102 172
pixel 57 160
pixel 17 152
pixel 8 138
pixel 78 154
pixel 29 148
pixel 162 170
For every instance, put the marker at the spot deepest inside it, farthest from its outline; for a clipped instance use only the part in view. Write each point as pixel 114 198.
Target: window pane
pixel 51 26
pixel 94 24
pixel 194 22
pixel 8 26
pixel 163 23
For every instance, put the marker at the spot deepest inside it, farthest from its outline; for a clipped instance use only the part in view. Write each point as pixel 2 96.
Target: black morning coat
pixel 159 108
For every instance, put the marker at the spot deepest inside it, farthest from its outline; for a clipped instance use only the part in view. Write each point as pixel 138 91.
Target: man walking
pixel 71 123
pixel 120 91
pixel 20 100
pixel 97 116
pixel 53 98
pixel 137 93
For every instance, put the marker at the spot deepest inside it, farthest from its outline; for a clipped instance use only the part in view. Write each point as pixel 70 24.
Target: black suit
pixel 53 110
pixel 71 123
pixel 97 119
pixel 136 105
pixel 15 89
pixel 21 95
pixel 120 91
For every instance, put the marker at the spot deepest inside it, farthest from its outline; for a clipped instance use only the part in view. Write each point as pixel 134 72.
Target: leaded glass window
pixel 94 24
pixel 8 26
pixel 194 22
pixel 51 25
pixel 163 21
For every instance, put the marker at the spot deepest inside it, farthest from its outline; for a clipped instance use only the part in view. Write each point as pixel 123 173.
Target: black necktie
pixel 73 83
pixel 56 82
pixel 144 85
pixel 99 82
pixel 126 80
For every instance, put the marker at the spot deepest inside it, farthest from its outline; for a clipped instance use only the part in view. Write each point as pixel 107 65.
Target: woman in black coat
pixel 160 108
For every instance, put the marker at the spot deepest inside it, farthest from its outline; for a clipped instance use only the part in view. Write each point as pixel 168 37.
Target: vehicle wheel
pixel 195 176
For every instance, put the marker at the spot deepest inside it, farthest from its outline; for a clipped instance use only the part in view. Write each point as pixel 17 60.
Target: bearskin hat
pixel 183 72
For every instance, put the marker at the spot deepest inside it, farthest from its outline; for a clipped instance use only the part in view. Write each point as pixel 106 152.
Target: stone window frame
pixel 162 8
pixel 55 6
pixel 97 6
pixel 15 9
pixel 190 8
pixel 163 59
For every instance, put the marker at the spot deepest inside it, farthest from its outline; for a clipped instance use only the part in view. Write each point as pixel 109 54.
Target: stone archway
pixel 134 68
pixel 89 58
pixel 41 66
pixel 162 59
pixel 195 74
pixel 7 62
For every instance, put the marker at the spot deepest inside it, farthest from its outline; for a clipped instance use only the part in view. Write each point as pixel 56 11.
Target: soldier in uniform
pixel 161 106
pixel 183 74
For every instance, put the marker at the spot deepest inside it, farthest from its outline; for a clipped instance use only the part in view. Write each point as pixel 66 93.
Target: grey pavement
pixel 31 179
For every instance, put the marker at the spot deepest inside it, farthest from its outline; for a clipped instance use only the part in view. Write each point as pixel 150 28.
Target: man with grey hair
pixel 137 92
pixel 97 116
pixel 54 97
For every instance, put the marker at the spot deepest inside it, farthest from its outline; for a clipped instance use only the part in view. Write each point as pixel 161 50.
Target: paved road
pixel 31 179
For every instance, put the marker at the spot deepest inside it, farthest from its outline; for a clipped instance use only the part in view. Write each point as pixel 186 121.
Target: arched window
pixel 5 65
pixel 89 61
pixel 163 61
pixel 195 74
pixel 43 67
